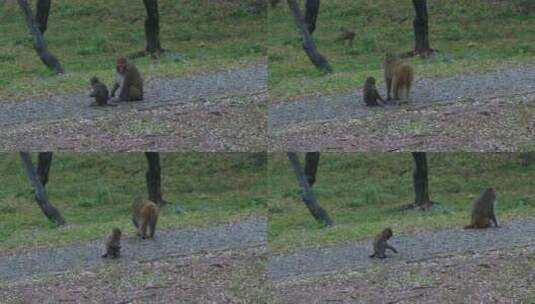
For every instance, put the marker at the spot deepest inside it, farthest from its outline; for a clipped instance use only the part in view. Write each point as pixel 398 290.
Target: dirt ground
pixel 493 276
pixel 216 277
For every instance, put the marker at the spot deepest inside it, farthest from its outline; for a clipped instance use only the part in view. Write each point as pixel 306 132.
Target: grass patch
pixel 472 37
pixel 94 193
pixel 87 37
pixel 363 193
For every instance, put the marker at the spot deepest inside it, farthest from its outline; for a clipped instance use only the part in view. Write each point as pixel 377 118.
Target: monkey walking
pixel 371 96
pixel 380 244
pixel 346 36
pixel 399 76
pixel 100 93
pixel 483 212
pixel 113 244
pixel 145 216
pixel 128 81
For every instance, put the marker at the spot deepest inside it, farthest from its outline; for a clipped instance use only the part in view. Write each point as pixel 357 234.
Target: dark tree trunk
pixel 311 166
pixel 41 15
pixel 39 43
pixel 40 194
pixel 421 181
pixel 308 196
pixel 274 3
pixel 312 8
pixel 526 159
pixel 153 178
pixel 308 43
pixel 421 29
pixel 152 27
pixel 44 160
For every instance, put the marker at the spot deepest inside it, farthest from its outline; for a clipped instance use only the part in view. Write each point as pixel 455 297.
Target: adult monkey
pixel 128 81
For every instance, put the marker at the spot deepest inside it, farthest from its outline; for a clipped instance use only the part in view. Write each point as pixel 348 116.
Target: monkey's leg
pixel 115 87
pixel 388 88
pixel 144 227
pixel 494 220
pixel 152 228
pixel 135 94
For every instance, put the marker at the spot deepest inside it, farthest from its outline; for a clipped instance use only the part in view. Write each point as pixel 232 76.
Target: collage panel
pixel 401 76
pixel 401 227
pixel 133 75
pixel 78 228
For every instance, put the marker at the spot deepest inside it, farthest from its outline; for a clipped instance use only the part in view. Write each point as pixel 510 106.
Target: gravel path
pixel 242 234
pixel 243 82
pixel 412 248
pixel 513 81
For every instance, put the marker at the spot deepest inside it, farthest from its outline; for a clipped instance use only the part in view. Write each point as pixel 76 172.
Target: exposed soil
pixel 412 248
pixel 487 112
pixel 42 262
pixel 224 111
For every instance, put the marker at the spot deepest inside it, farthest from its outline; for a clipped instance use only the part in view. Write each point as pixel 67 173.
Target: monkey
pixel 372 98
pixel 100 92
pixel 398 75
pixel 128 81
pixel 380 244
pixel 346 36
pixel 145 215
pixel 113 244
pixel 483 213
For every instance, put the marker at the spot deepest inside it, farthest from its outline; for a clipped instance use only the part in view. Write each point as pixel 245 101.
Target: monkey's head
pixel 116 232
pixel 387 233
pixel 490 192
pixel 121 65
pixel 370 81
pixel 94 80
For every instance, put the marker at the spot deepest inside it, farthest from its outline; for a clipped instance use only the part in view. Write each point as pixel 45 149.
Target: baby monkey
pixel 100 93
pixel 380 244
pixel 113 244
pixel 370 94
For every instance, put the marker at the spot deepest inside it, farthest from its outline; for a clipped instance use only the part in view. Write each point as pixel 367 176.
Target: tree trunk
pixel 308 43
pixel 311 166
pixel 41 16
pixel 152 27
pixel 44 160
pixel 312 8
pixel 40 194
pixel 39 43
pixel 421 29
pixel 308 196
pixel 421 182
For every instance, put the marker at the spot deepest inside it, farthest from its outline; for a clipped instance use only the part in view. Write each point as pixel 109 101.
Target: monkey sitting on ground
pixel 380 244
pixel 399 76
pixel 113 245
pixel 145 215
pixel 128 81
pixel 100 92
pixel 370 94
pixel 483 212
pixel 346 36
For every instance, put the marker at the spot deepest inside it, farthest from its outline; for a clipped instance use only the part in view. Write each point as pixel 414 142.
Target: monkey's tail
pixel 471 226
pixel 373 255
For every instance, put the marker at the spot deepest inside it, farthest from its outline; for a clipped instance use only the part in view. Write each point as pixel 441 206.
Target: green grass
pixel 471 36
pixel 94 193
pixel 87 37
pixel 363 193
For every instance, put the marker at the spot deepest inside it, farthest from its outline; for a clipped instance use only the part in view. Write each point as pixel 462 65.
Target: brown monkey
pixel 100 92
pixel 483 212
pixel 113 245
pixel 346 36
pixel 370 94
pixel 380 244
pixel 145 215
pixel 399 75
pixel 128 81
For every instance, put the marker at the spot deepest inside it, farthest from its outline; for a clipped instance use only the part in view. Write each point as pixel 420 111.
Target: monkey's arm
pixel 114 88
pixel 93 94
pixel 391 248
